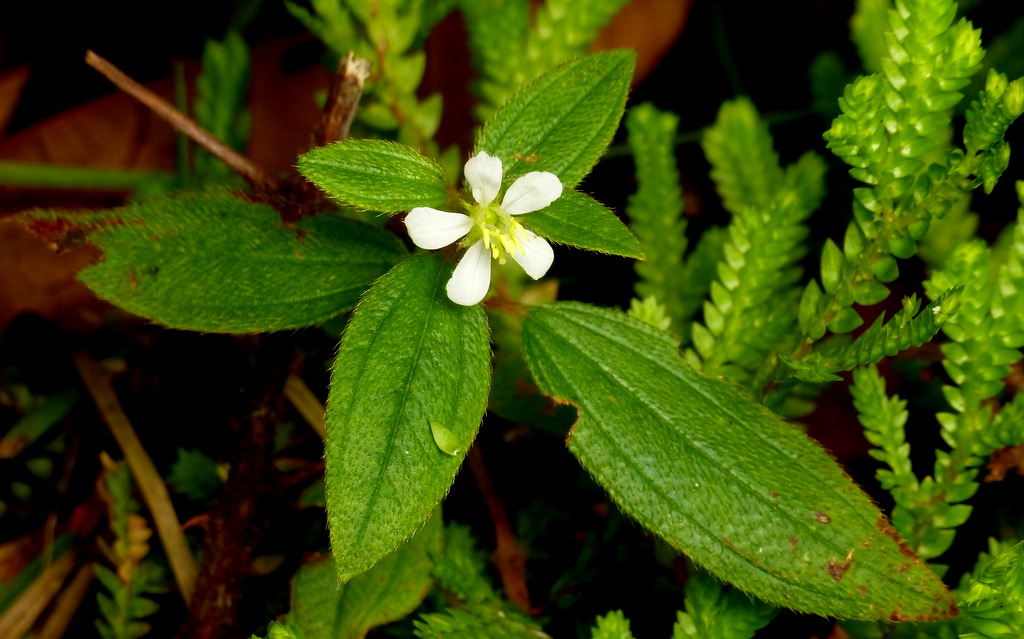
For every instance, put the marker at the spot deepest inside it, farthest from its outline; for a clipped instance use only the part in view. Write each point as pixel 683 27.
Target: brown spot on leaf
pixel 773 494
pixel 883 526
pixel 793 543
pixel 529 159
pixel 836 569
pixel 65 234
pixel 863 590
pixel 897 615
pixel 50 229
pixel 822 518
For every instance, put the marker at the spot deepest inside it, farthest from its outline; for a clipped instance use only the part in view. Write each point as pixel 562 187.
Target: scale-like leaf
pixel 579 220
pixel 376 175
pixel 563 121
pixel 411 362
pixel 719 476
pixel 213 262
pixel 387 592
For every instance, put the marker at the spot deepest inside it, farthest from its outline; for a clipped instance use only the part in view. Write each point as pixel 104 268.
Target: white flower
pixel 489 230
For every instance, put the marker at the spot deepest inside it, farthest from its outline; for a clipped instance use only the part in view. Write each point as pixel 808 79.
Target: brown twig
pixel 237 162
pixel 342 100
pixel 308 404
pixel 67 604
pixel 154 492
pixel 19 617
pixel 509 557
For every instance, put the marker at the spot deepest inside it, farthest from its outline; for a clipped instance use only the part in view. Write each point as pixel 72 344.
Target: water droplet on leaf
pixel 444 438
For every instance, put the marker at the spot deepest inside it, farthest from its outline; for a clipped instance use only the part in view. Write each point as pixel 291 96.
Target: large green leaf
pixel 579 220
pixel 413 372
pixel 390 590
pixel 563 121
pixel 213 262
pixel 376 175
pixel 719 476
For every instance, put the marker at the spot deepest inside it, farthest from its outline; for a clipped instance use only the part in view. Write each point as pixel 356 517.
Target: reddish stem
pixel 508 556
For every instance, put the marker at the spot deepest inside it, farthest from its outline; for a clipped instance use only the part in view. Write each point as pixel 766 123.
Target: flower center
pixel 499 231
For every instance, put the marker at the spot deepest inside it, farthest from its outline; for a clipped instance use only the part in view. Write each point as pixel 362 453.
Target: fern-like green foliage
pixel 462 568
pixel 477 609
pixel 868 25
pixel 476 621
pixel 752 310
pixel 884 419
pixel 895 132
pixel 994 604
pixel 278 630
pixel 194 475
pixel 985 335
pixel 925 517
pixel 220 101
pixel 985 338
pixel 389 34
pixel 510 49
pixel 613 625
pixel 126 604
pixel 656 214
pixel 714 611
pixel 906 328
pixel 650 311
pixel 126 600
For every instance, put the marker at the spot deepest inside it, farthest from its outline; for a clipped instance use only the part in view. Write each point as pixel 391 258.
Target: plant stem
pixel 151 485
pixel 308 404
pixel 342 100
pixel 509 557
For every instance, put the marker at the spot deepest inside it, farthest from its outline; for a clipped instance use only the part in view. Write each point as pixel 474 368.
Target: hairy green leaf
pixel 576 219
pixel 212 262
pixel 323 609
pixel 720 477
pixel 563 121
pixel 409 357
pixel 376 175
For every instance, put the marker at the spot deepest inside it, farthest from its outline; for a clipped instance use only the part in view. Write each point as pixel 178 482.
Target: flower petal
pixel 532 192
pixel 483 172
pixel 432 229
pixel 472 276
pixel 537 255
